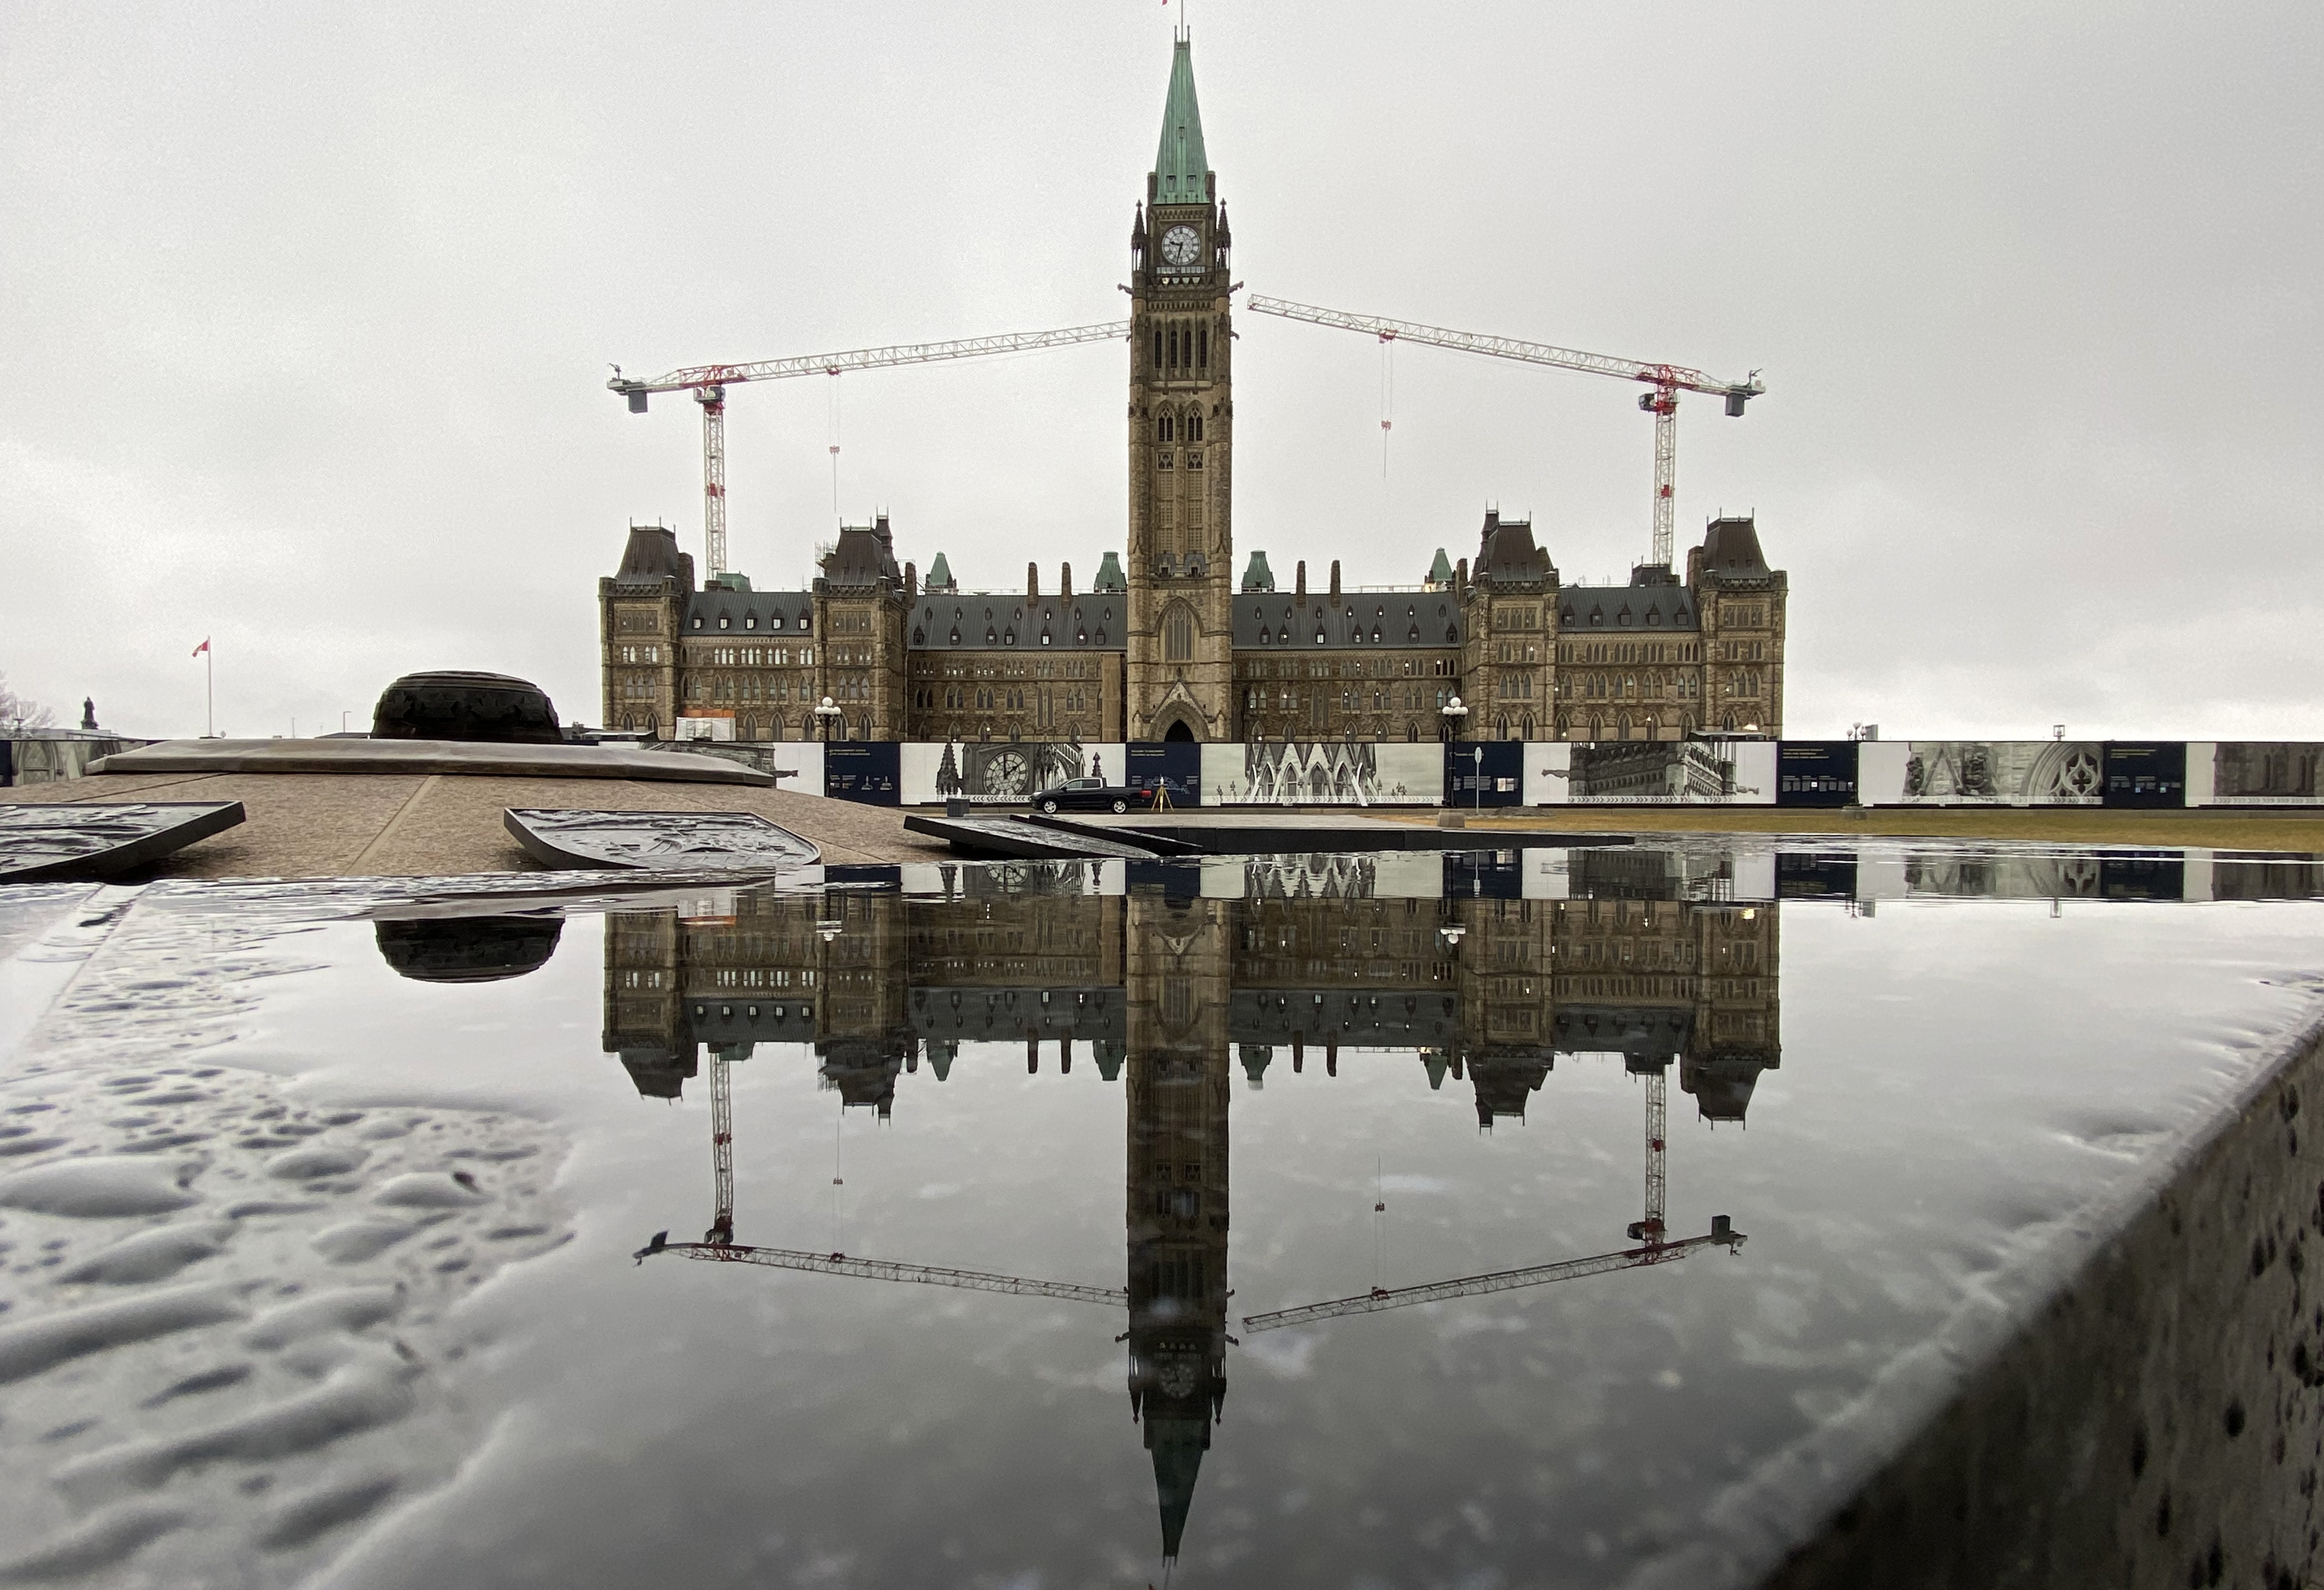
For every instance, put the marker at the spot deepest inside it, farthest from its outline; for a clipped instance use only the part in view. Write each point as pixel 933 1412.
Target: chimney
pixel 1065 581
pixel 1461 575
pixel 1033 580
pixel 1336 582
pixel 1301 587
pixel 911 582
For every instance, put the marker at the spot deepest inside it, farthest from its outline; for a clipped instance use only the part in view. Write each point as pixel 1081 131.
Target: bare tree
pixel 17 714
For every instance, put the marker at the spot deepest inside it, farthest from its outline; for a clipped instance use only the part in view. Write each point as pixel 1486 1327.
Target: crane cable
pixel 835 446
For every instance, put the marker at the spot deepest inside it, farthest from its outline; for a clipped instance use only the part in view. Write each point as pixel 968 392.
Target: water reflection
pixel 1174 995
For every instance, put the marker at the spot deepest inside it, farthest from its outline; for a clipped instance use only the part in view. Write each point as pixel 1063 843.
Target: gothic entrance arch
pixel 1179 731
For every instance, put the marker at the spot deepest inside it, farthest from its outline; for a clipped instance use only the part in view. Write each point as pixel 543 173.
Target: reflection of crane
pixel 1668 381
pixel 1722 1233
pixel 709 383
pixel 1651 1230
pixel 719 1247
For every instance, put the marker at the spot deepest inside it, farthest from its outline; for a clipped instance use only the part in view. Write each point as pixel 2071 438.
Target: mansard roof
pixel 865 555
pixel 1256 574
pixel 1626 607
pixel 1109 575
pixel 1181 169
pixel 982 620
pixel 1730 549
pixel 1267 620
pixel 652 557
pixel 1506 553
pixel 750 612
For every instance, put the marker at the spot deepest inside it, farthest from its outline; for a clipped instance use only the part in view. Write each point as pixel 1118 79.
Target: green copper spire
pixel 1181 169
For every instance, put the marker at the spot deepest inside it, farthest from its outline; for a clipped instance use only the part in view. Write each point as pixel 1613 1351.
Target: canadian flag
pixel 204 647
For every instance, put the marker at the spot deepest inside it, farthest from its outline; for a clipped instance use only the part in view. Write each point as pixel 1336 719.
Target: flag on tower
pixel 204 647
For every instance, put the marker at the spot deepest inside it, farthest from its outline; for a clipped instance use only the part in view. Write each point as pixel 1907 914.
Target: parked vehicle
pixel 1091 794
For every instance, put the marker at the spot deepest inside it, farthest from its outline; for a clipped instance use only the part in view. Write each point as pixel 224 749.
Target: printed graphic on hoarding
pixel 1173 765
pixel 2151 775
pixel 1815 773
pixel 1484 773
pixel 1321 773
pixel 2003 773
pixel 1673 772
pixel 1000 772
pixel 2266 773
pixel 861 770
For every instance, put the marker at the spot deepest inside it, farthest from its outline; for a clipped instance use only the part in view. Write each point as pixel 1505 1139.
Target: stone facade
pixel 1165 644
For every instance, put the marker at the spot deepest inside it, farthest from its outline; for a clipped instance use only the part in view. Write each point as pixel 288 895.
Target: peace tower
pixel 1181 619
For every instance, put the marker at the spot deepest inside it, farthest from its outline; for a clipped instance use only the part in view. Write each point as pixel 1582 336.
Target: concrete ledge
pixel 2153 1418
pixel 453 756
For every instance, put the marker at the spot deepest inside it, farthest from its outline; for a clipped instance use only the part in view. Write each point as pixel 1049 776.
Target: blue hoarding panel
pixel 866 770
pixel 2151 773
pixel 1484 773
pixel 1815 773
pixel 1176 765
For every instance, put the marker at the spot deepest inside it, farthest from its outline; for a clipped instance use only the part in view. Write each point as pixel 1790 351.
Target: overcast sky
pixel 309 310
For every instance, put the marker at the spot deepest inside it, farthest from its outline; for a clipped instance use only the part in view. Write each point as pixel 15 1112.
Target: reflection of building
pixel 1168 643
pixel 1174 995
pixel 1488 991
pixel 1177 1200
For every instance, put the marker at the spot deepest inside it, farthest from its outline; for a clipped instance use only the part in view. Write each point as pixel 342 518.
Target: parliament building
pixel 1167 642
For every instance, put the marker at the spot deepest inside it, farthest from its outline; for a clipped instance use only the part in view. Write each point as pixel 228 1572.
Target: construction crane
pixel 718 1245
pixel 1723 1233
pixel 709 383
pixel 1667 381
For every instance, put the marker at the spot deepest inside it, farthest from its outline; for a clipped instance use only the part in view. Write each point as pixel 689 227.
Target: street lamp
pixel 1454 712
pixel 830 716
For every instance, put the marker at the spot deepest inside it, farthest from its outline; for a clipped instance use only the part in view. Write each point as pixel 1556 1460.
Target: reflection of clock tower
pixel 1181 634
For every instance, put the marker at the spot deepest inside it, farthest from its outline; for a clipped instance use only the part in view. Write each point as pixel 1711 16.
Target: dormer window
pixel 1045 637
pixel 989 635
pixel 750 620
pixel 955 636
pixel 919 637
pixel 725 622
pixel 1008 638
pixel 697 623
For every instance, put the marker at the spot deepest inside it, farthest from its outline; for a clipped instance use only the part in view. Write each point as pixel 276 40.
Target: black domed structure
pixel 450 704
pixel 469 949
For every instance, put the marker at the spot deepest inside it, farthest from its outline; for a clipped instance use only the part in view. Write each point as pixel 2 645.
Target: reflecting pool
pixel 1490 1219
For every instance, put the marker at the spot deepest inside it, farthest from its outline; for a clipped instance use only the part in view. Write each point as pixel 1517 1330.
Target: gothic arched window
pixel 1162 429
pixel 1178 636
pixel 1195 426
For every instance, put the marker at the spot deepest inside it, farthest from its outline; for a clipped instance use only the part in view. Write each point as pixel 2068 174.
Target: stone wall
pixel 2160 1421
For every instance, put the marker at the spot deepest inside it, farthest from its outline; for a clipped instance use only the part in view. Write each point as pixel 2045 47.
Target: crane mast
pixel 1668 381
pixel 709 383
pixel 1651 1230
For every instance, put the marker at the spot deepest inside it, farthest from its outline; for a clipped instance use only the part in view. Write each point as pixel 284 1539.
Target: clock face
pixel 1182 246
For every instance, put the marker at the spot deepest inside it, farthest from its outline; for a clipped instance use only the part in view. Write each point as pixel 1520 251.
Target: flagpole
pixel 209 690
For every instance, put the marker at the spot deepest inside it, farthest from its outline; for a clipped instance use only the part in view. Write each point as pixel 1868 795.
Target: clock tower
pixel 1181 630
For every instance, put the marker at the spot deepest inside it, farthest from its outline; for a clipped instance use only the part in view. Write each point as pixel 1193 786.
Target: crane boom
pixel 1668 381
pixel 744 1253
pixel 970 347
pixel 1508 347
pixel 1722 1233
pixel 709 383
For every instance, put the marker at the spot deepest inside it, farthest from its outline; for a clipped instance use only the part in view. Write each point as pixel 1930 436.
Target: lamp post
pixel 1455 712
pixel 829 715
